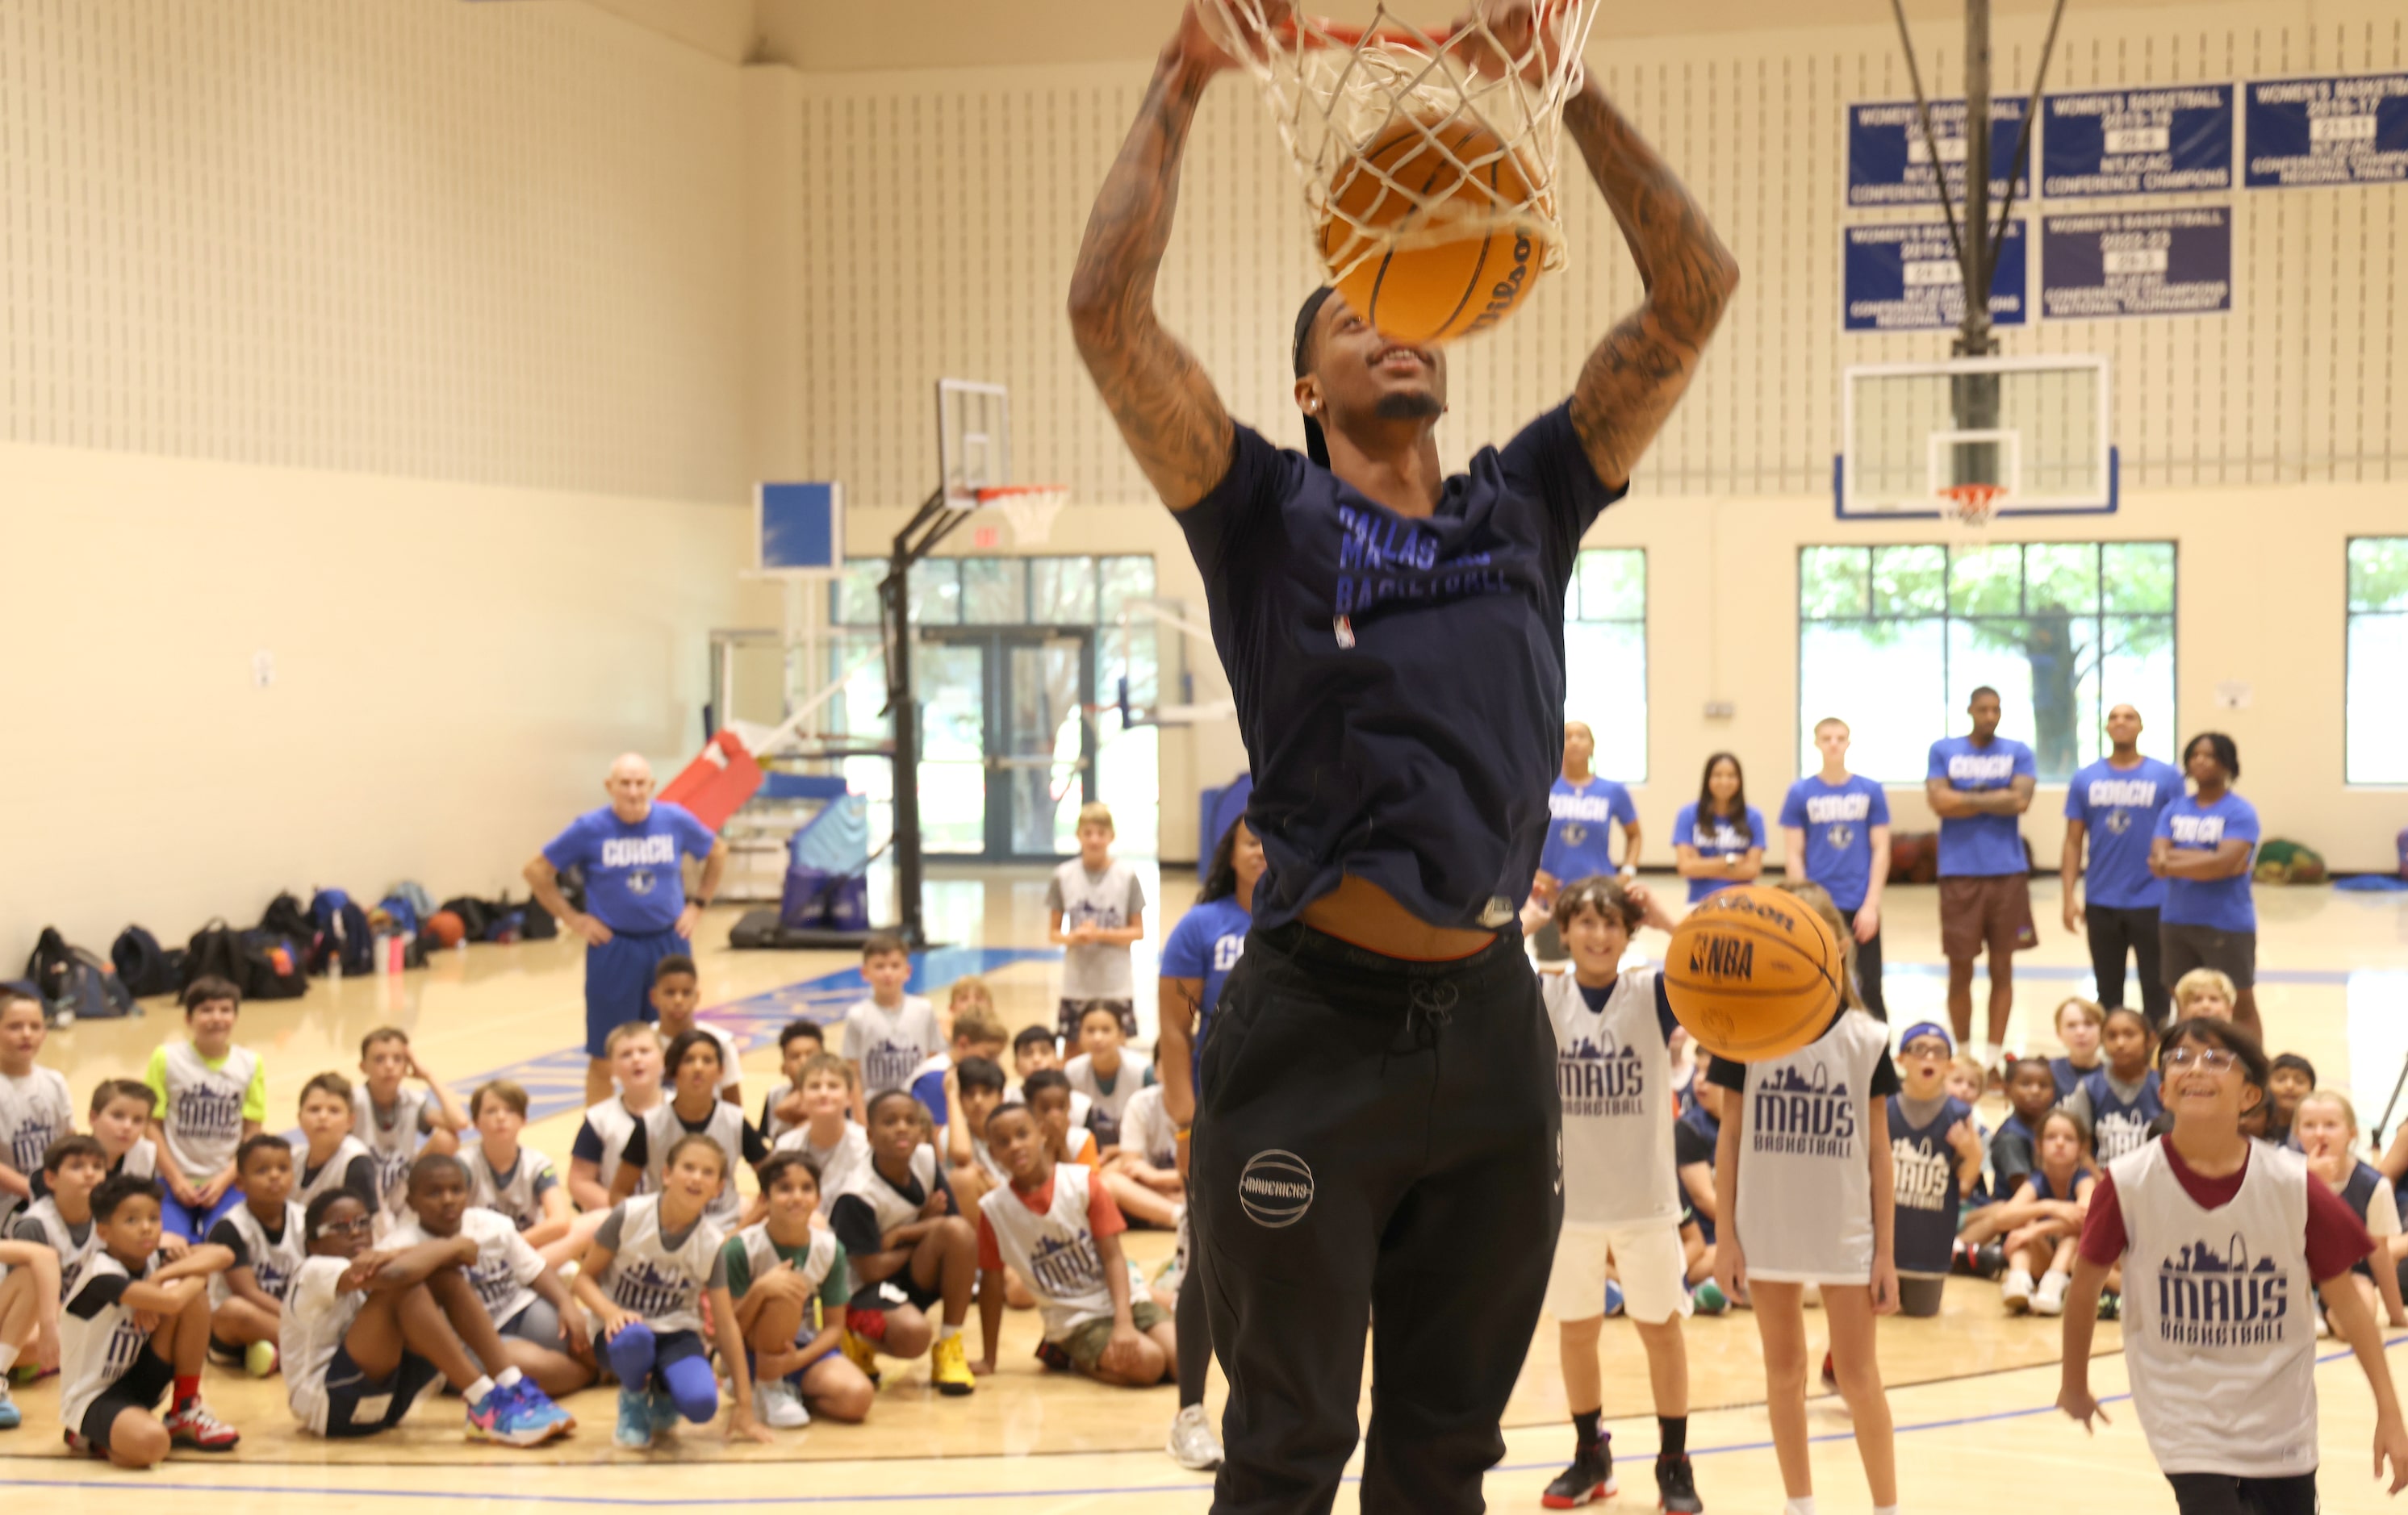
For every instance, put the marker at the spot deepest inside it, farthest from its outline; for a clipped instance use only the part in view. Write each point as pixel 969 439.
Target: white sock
pixel 2019 1274
pixel 8 1357
pixel 477 1391
pixel 2058 1275
pixel 1884 1510
pixel 1988 1052
pixel 507 1378
pixel 946 1332
pixel 1799 1507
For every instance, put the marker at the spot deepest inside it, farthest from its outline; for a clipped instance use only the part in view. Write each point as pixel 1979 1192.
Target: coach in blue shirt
pixel 2205 843
pixel 1836 826
pixel 2114 805
pixel 1978 786
pixel 636 910
pixel 1583 812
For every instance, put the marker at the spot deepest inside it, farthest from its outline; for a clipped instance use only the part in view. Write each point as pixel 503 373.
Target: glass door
pixel 1043 767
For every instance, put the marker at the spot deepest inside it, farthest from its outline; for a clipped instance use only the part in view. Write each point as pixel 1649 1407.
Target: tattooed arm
pixel 1166 407
pixel 1630 384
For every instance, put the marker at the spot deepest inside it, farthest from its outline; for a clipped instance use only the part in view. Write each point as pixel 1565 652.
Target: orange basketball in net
pixel 1418 209
pixel 1754 974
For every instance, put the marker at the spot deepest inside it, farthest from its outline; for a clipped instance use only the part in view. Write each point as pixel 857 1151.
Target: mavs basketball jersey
pixel 1805 1182
pixel 658 1279
pixel 505 1265
pixel 44 1222
pixel 611 1124
pixel 517 1194
pixel 35 1111
pixel 1615 1080
pixel 1055 1252
pixel 273 1260
pixel 1923 1168
pixel 889 1045
pixel 99 1338
pixel 393 1136
pixel 2120 1126
pixel 331 1174
pixel 2219 1316
pixel 201 1111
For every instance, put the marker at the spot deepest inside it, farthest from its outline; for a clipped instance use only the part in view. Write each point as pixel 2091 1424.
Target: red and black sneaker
pixel 1588 1479
pixel 1676 1487
pixel 191 1424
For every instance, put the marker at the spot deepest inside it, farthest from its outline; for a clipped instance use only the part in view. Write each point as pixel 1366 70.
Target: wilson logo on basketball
pixel 1275 1189
pixel 1723 957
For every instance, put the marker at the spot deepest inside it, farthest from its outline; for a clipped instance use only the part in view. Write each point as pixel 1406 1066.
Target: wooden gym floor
pixel 1971 1391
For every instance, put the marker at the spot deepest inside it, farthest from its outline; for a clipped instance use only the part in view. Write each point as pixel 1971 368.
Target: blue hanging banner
pixel 1891 164
pixel 2136 263
pixel 2172 140
pixel 2348 129
pixel 1905 279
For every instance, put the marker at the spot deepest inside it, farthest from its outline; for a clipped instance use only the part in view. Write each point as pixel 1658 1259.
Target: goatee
pixel 1407 407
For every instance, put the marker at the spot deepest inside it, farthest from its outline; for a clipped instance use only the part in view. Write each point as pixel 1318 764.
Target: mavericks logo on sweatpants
pixel 1276 1189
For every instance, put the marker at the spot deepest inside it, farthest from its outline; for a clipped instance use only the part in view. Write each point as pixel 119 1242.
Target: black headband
pixel 1316 446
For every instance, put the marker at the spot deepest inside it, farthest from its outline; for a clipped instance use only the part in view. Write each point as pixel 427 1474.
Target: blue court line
pixel 966 1496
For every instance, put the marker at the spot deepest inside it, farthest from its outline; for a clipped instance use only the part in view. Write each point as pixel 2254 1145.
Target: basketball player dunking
pixel 1378 1128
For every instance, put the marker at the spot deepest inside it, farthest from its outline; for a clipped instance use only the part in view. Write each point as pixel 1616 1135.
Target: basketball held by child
pixel 1753 973
pixel 1418 214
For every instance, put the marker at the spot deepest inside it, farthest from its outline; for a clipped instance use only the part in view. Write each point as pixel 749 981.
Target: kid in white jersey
pixel 651 1267
pixel 212 1093
pixel 790 1284
pixel 120 1112
pixel 518 1182
pixel 888 1034
pixel 60 1219
pixel 798 1042
pixel 332 1157
pixel 263 1236
pixel 1622 1193
pixel 134 1327
pixel 910 1248
pixel 543 1333
pixel 676 996
pixel 694 1110
pixel 1802 1183
pixel 367 1335
pixel 396 1120
pixel 2222 1239
pixel 635 1057
pixel 36 1109
pixel 824 1133
pixel 1057 1226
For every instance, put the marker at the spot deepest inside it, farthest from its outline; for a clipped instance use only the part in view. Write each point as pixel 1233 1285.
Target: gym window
pixel 1894 640
pixel 2376 720
pixel 1605 657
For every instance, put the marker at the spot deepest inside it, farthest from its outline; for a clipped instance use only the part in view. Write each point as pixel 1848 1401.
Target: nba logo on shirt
pixel 2118 821
pixel 1597 1081
pixel 1574 833
pixel 2210 1300
pixel 1803 1116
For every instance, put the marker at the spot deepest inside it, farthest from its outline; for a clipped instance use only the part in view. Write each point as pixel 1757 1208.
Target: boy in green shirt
pixel 789 1282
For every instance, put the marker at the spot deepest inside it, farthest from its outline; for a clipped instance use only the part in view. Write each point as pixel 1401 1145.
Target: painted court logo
pixel 2206 1300
pixel 1276 1189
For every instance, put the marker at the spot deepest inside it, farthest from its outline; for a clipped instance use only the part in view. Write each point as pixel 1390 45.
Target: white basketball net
pixel 1030 509
pixel 1970 506
pixel 1335 90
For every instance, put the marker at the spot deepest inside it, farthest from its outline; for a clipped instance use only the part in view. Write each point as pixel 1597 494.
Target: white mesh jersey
pixel 889 1044
pixel 1614 1078
pixel 1056 1253
pixel 393 1136
pixel 730 1055
pixel 202 1116
pixel 98 1338
pixel 311 1182
pixel 1095 970
pixel 892 1207
pixel 761 1256
pixel 141 1160
pixel 43 1215
pixel 2219 1316
pixel 835 1166
pixel 771 1127
pixel 613 1122
pixel 725 1126
pixel 1147 1127
pixel 317 1316
pixel 660 1285
pixel 1134 1076
pixel 514 1193
pixel 505 1265
pixel 275 1261
pixel 35 1111
pixel 1805 1182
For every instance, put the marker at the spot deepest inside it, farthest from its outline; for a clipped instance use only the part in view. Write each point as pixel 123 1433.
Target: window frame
pixel 2350 616
pixel 1647 704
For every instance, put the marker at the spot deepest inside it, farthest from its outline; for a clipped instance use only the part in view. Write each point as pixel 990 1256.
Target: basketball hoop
pixel 1971 504
pixel 1030 509
pixel 1402 144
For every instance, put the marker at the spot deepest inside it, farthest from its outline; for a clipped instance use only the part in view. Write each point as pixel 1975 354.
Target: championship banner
pixel 2139 262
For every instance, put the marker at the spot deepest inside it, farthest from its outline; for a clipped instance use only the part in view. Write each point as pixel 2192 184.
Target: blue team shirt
pixel 1399 680
pixel 1980 846
pixel 1206 943
pixel 1581 819
pixel 1714 840
pixel 1839 822
pixel 2220 904
pixel 633 883
pixel 2120 806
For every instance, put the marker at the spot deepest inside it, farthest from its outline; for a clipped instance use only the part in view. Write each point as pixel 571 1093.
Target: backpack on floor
pixel 215 951
pixel 284 917
pixel 75 984
pixel 144 966
pixel 476 916
pixel 277 966
pixel 342 939
pixel 414 894
pixel 396 913
pixel 2281 861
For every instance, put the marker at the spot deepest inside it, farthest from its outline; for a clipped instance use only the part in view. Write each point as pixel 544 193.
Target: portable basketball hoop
pixel 1029 508
pixel 1971 504
pixel 1409 139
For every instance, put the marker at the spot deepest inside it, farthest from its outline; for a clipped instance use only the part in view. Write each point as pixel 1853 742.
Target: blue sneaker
pixel 533 1410
pixel 506 1418
pixel 634 1430
pixel 11 1416
pixel 663 1412
pixel 1612 1298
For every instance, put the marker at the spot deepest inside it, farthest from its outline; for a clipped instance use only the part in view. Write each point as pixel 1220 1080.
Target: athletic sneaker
pixel 11 1416
pixel 1588 1479
pixel 1830 1375
pixel 1194 1444
pixel 502 1418
pixel 78 1447
pixel 2049 1298
pixel 191 1424
pixel 777 1406
pixel 2111 1304
pixel 948 1366
pixel 634 1430
pixel 2016 1292
pixel 664 1412
pixel 537 1410
pixel 1708 1298
pixel 1676 1487
pixel 260 1359
pixel 1612 1299
pixel 861 1353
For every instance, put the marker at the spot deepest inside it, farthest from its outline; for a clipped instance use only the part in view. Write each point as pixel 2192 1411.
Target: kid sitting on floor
pixel 1058 1229
pixel 210 1094
pixel 787 1276
pixel 2031 1094
pixel 2038 1223
pixel 827 1139
pixel 798 1042
pixel 120 1122
pixel 695 1110
pixel 332 1157
pixel 36 1109
pixel 29 1316
pixel 2292 1080
pixel 2327 1126
pixel 970 1167
pixel 2080 1023
pixel 1936 1155
pixel 977 1032
pixel 60 1219
pixel 1053 1102
pixel 264 1237
pixel 633 1050
pixel 676 996
pixel 2120 1100
pixel 396 1120
pixel 137 1326
pixel 367 1335
pixel 910 1248
pixel 2205 992
pixel 518 1182
pixel 543 1333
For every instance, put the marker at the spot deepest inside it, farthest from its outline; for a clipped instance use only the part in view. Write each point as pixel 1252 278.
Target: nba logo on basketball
pixel 1723 957
pixel 1276 1189
pixel 2210 1300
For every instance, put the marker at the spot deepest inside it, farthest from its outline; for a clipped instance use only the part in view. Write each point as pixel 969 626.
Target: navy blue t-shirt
pixel 1399 680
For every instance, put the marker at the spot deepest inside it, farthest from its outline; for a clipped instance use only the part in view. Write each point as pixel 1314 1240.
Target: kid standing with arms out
pixel 36 1109
pixel 2222 1240
pixel 888 1035
pixel 1802 1180
pixel 1621 1193
pixel 210 1094
pixel 395 1120
pixel 1836 826
pixel 1097 909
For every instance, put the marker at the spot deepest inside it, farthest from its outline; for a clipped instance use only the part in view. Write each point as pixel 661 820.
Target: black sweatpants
pixel 1376 1139
pixel 2219 1494
pixel 1869 977
pixel 2112 934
